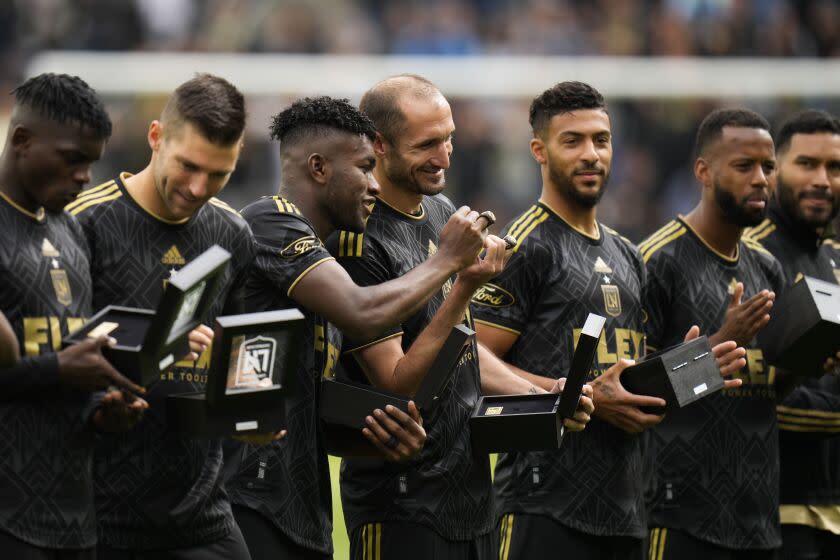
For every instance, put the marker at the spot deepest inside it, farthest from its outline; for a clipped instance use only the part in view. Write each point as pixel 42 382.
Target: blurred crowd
pixel 651 177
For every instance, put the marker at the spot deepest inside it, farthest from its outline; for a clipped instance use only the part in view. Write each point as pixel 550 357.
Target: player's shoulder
pixel 440 203
pixel 527 229
pixel 663 242
pixel 832 245
pixel 95 199
pixel 268 214
pixel 760 233
pixel 620 240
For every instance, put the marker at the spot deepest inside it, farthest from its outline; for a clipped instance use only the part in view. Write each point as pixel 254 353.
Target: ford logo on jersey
pixel 492 295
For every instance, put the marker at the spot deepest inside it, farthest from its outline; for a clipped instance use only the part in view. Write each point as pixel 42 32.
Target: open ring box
pixel 345 404
pixel 148 342
pixel 533 422
pixel 252 371
pixel 804 328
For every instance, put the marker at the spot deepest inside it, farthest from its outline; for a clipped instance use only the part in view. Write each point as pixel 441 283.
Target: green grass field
pixel 340 541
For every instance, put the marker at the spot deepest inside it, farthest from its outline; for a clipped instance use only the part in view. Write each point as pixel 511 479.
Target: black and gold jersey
pixel 446 487
pixel 556 276
pixel 46 492
pixel 288 481
pixel 716 464
pixel 153 488
pixel 809 416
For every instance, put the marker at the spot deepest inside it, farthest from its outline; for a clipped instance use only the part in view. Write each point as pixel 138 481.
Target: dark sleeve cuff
pixel 31 373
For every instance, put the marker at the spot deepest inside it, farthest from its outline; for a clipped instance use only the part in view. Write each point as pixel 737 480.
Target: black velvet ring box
pixel 804 328
pixel 533 422
pixel 148 342
pixel 680 375
pixel 347 403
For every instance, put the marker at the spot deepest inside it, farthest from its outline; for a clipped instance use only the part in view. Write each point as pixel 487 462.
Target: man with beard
pixel 439 505
pixel 58 128
pixel 584 501
pixel 281 493
pixel 798 232
pixel 715 488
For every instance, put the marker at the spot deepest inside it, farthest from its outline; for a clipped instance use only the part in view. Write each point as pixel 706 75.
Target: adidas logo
pixel 602 267
pixel 173 257
pixel 48 249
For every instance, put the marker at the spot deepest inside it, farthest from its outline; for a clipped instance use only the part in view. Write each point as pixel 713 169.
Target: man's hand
pixel 487 267
pixel 729 357
pixel 119 411
pixel 462 238
pixel 200 339
pixel 584 410
pixel 618 406
pixel 743 320
pixel 82 366
pixel 397 435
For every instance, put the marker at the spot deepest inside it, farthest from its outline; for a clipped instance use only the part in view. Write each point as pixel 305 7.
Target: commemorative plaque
pixel 252 371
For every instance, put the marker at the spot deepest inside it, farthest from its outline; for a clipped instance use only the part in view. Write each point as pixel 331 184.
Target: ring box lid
pixel 581 364
pixel 680 375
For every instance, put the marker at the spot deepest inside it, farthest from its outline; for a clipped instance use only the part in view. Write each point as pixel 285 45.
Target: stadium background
pixel 662 64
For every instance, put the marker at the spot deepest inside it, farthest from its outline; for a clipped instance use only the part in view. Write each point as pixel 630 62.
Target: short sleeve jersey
pixel 155 489
pixel 555 278
pixel 717 466
pixel 288 481
pixel 809 416
pixel 446 487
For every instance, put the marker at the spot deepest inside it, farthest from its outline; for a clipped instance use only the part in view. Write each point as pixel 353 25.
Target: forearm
pixel 498 377
pixel 379 307
pixel 28 375
pixel 411 369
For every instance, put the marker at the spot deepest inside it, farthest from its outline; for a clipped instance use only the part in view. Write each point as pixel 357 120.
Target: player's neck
pixel 10 187
pixel 405 201
pixel 142 189
pixel 312 211
pixel 582 219
pixel 710 225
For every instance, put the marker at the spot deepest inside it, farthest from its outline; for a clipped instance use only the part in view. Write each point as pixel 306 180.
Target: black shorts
pixel 409 541
pixel 266 542
pixel 673 544
pixel 800 542
pixel 231 547
pixel 524 536
pixel 13 547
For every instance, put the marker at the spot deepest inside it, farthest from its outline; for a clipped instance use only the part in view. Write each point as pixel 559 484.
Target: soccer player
pixel 281 493
pixel 715 493
pixel 585 500
pixel 440 505
pixel 58 128
pixel 158 493
pixel 798 232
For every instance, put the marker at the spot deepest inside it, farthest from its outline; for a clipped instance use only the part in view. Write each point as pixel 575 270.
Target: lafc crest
pixel 612 299
pixel 61 285
pixel 60 280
